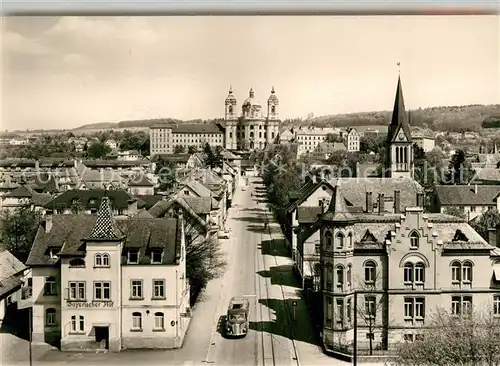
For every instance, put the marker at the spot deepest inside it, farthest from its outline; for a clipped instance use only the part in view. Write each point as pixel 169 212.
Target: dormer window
pixel 52 252
pixel 133 256
pixel 156 256
pixel 92 201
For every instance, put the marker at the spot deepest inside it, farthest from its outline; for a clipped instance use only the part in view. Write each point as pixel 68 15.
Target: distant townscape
pixel 368 237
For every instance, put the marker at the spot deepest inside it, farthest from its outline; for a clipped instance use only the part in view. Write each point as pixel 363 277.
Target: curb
pixel 297 359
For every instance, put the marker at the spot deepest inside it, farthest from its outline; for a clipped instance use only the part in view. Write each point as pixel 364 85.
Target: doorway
pixel 102 336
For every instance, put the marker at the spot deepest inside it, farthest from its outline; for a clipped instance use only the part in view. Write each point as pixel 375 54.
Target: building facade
pixel 401 268
pixel 352 140
pixel 254 128
pixel 165 137
pixel 105 284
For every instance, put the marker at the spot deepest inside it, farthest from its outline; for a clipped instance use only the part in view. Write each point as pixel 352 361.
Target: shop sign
pixel 90 304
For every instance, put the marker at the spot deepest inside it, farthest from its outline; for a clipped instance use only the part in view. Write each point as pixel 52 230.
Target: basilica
pixel 254 128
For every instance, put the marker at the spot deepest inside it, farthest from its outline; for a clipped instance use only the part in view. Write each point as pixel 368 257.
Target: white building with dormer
pixel 255 127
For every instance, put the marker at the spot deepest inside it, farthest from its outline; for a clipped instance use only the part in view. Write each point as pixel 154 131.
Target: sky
pixel 63 72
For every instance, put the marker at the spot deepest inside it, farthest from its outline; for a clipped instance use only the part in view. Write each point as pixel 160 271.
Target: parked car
pixel 225 234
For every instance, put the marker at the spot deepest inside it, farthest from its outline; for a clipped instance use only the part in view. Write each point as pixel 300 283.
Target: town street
pixel 260 269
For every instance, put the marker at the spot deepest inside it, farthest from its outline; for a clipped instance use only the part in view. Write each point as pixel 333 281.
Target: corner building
pixel 105 284
pixel 401 267
pixel 254 128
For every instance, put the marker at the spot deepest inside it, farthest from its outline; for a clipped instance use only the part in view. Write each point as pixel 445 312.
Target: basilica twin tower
pixel 252 129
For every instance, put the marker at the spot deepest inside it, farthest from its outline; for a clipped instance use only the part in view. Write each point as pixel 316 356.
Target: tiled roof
pixel 465 194
pixel 119 198
pixel 45 183
pixel 162 208
pixel 105 227
pixel 247 163
pixel 69 230
pixel 114 163
pixel 143 214
pixel 199 188
pixel 147 201
pixel 106 176
pixel 20 192
pixel 308 215
pixel 195 128
pixel 491 174
pixel 175 158
pixel 140 180
pixel 367 170
pixel 338 208
pixel 201 205
pixel 41 199
pixel 354 189
pixel 9 265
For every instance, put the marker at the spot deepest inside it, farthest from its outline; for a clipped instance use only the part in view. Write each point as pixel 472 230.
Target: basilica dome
pixel 251 101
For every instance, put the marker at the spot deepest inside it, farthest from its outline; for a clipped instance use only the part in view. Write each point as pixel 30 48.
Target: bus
pixel 237 317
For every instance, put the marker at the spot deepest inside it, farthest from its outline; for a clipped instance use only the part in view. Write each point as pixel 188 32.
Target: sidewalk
pixel 306 338
pixel 15 350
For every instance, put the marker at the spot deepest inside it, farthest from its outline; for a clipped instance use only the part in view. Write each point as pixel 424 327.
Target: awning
pixel 94 325
pixel 496 272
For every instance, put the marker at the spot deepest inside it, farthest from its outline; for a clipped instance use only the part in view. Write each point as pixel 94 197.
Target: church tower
pixel 272 125
pixel 399 161
pixel 231 119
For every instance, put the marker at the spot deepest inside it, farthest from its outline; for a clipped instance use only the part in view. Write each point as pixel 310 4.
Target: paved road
pixel 257 268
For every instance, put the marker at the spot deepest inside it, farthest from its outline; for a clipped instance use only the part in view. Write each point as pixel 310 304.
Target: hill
pixel 454 118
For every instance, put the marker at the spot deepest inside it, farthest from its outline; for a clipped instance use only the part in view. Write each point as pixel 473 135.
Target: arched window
pixel 420 273
pixel 339 241
pixel 136 320
pixel 251 127
pixel 340 276
pixel 349 240
pixel 105 260
pixel 456 269
pixel 467 272
pixel 230 109
pixel 328 277
pixel 159 321
pixel 273 109
pixel 414 240
pixel 260 127
pixel 77 262
pixel 251 134
pixel 98 260
pixel 328 240
pixel 370 272
pixel 349 274
pixel 408 273
pixel 50 317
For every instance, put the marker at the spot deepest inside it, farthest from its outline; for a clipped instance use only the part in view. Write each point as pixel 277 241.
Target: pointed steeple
pixel 337 211
pixel 105 227
pixel 399 116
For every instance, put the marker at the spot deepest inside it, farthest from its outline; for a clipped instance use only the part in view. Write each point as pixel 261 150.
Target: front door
pixel 102 336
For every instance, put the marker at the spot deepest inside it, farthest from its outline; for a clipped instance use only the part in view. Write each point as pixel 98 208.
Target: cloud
pixel 14 42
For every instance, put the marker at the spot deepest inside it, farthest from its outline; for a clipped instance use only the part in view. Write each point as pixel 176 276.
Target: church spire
pixel 105 227
pixel 399 119
pixel 337 211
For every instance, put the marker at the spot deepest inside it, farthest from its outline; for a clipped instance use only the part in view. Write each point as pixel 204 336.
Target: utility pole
pixel 355 350
pixel 30 329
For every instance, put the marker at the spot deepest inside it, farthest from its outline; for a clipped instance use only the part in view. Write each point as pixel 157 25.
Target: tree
pixel 97 150
pixel 179 149
pixel 77 206
pixel 18 230
pixel 455 211
pixel 482 224
pixel 192 150
pixel 470 338
pixel 205 261
pixel 460 169
pixel 210 158
pixel 371 309
pixel 167 174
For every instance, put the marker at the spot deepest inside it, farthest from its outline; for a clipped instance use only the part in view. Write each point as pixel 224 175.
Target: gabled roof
pixel 308 215
pixel 105 227
pixel 120 199
pixel 199 188
pixel 147 201
pixel 9 265
pixel 140 180
pixel 399 117
pixel 202 205
pixel 45 183
pixel 305 191
pixel 466 194
pixel 20 192
pixel 162 207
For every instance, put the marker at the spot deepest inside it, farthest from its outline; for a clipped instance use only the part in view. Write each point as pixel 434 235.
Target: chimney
pixel 420 200
pixel 397 202
pixel 369 202
pixel 48 221
pixel 381 204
